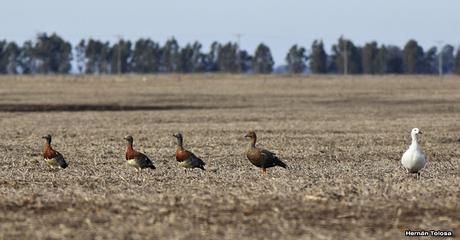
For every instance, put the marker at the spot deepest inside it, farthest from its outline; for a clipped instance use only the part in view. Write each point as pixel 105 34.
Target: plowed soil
pixel 342 138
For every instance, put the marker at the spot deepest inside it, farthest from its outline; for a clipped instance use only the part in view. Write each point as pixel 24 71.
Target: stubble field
pixel 342 138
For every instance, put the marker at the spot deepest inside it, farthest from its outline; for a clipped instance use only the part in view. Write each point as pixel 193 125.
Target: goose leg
pixel 142 175
pixel 264 171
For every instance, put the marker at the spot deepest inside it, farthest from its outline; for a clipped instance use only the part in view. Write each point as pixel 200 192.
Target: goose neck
pixel 130 146
pixel 414 140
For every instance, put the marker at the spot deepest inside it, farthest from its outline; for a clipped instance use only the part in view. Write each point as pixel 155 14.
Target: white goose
pixel 413 159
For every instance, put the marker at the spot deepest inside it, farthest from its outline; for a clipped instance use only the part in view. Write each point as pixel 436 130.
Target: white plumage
pixel 413 159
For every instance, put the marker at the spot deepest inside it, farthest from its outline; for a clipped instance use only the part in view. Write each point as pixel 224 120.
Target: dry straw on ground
pixel 341 137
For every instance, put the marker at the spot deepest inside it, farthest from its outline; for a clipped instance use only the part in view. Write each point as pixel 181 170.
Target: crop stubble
pixel 342 138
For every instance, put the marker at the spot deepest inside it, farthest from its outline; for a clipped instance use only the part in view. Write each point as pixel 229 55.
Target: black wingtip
pixel 281 164
pixel 152 167
pixel 202 168
pixel 64 166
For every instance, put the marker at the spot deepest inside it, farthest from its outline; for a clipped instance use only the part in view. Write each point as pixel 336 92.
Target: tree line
pixel 53 54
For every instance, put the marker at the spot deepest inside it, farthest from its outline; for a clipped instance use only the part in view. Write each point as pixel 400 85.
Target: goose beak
pixel 420 132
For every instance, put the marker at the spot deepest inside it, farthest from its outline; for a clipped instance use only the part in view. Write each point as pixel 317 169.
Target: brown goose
pixel 186 158
pixel 53 158
pixel 261 158
pixel 135 158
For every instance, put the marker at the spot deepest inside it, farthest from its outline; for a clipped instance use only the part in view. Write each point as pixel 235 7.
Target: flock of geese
pixel 413 160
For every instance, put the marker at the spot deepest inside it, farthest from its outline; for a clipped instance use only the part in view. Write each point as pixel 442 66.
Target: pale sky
pixel 279 24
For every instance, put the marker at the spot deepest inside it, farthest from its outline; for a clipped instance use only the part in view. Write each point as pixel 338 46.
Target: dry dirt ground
pixel 342 138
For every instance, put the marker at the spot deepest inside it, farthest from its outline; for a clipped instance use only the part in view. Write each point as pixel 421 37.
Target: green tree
pixel 413 57
pixel 186 64
pixel 3 57
pixel 318 58
pixel 263 60
pixel 296 59
pixel 394 60
pixel 389 59
pixel 227 58
pixel 245 61
pixel 447 55
pixel 429 63
pixel 146 56
pixel 332 62
pixel 370 58
pixel 80 50
pixel 170 58
pixel 198 58
pixel 381 60
pixel 346 49
pixel 13 52
pixel 105 58
pixel 27 61
pixel 121 56
pixel 457 62
pixel 212 58
pixel 53 54
pixel 191 58
pixel 91 56
pixel 98 57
